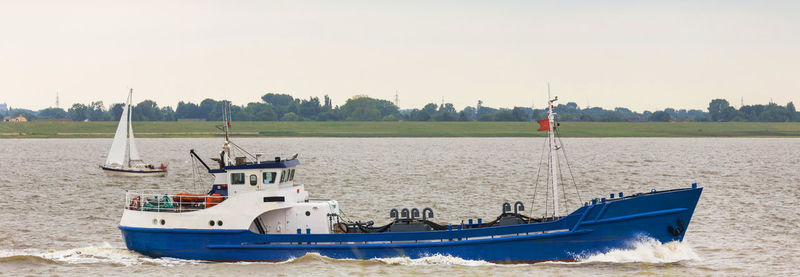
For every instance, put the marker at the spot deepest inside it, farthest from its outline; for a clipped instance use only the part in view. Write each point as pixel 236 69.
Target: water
pixel 60 212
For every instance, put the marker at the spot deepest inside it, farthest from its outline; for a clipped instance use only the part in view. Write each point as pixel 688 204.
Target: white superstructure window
pixel 237 178
pixel 269 177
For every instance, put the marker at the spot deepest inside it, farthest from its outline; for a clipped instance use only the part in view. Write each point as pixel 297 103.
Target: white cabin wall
pixel 288 220
pixel 220 178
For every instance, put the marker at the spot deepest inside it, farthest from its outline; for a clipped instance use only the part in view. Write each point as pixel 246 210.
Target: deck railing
pixel 162 201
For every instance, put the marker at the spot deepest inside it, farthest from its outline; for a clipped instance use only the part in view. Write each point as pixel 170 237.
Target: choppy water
pixel 60 212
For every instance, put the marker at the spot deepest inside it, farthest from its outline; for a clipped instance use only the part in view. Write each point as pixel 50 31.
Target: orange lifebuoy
pixel 134 203
pixel 163 166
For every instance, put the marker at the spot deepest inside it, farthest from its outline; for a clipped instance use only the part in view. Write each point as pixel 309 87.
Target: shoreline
pixel 172 129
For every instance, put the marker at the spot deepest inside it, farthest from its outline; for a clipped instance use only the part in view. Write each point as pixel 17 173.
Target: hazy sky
pixel 644 55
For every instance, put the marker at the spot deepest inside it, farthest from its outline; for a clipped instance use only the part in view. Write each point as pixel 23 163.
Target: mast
pixel 226 148
pixel 553 147
pixel 129 127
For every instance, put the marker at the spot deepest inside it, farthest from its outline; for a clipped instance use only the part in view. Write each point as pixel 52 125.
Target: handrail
pixel 152 201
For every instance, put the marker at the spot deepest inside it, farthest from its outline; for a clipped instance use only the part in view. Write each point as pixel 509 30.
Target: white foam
pixel 433 260
pixel 645 250
pixel 95 254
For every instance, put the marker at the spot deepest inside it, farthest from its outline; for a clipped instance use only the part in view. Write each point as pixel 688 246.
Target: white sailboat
pixel 123 158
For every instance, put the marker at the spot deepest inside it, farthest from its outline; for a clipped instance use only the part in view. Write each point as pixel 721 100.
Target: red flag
pixel 544 125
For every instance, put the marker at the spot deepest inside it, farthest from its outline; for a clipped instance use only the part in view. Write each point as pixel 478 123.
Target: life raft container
pixel 188 197
pixel 213 200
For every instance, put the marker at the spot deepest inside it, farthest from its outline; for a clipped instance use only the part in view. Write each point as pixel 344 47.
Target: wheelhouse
pixel 265 175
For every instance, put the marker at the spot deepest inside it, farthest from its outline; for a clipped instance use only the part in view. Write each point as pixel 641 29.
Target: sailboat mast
pixel 128 125
pixel 553 147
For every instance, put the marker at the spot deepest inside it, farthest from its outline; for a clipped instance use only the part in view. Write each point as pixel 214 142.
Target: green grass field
pixel 60 129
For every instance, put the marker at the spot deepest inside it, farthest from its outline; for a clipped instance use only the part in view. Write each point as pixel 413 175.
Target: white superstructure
pixel 260 196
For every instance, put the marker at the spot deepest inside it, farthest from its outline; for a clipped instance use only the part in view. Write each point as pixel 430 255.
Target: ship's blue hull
pixel 596 228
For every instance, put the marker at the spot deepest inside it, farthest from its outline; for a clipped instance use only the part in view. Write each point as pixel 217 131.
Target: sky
pixel 643 55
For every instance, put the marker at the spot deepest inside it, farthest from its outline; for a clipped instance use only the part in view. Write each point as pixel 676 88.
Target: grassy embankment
pixel 53 129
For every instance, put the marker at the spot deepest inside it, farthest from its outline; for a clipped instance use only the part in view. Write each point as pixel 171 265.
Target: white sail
pixel 117 153
pixel 134 153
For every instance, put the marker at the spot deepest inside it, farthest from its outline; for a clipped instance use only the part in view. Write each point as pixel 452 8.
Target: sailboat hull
pixel 591 229
pixel 133 172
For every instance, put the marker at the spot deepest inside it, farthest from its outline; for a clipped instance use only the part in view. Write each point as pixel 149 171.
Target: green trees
pixel 716 109
pixel 277 106
pixel 720 110
pixel 78 112
pixel 661 116
pixel 52 113
pixel 261 112
pixel 519 114
pixel 188 110
pixel 146 110
pixel 278 100
pixel 309 108
pixel 446 112
pixel 361 108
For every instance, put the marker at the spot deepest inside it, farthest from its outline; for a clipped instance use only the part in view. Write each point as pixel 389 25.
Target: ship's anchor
pixel 677 231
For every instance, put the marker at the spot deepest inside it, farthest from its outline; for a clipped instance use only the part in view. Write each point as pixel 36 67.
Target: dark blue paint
pixel 590 229
pixel 268 164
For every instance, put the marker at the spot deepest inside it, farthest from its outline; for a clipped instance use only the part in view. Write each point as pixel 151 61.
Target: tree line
pixel 284 107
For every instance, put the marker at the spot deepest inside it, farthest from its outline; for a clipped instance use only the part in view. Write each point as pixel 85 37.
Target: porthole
pixel 308 213
pixel 163 222
pixel 219 222
pixel 211 222
pixel 155 221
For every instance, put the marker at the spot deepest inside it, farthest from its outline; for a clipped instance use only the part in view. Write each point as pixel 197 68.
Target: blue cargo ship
pixel 255 211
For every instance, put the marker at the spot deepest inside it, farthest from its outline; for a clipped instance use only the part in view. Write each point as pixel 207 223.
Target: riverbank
pixel 162 129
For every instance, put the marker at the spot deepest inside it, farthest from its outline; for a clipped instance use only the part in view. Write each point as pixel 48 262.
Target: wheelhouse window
pixel 291 174
pixel 283 176
pixel 237 178
pixel 253 179
pixel 269 177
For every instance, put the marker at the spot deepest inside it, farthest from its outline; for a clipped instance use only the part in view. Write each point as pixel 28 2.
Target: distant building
pixel 3 108
pixel 19 118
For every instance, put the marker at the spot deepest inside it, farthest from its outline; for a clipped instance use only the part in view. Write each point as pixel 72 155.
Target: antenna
pixel 57 104
pixel 227 119
pixel 396 98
